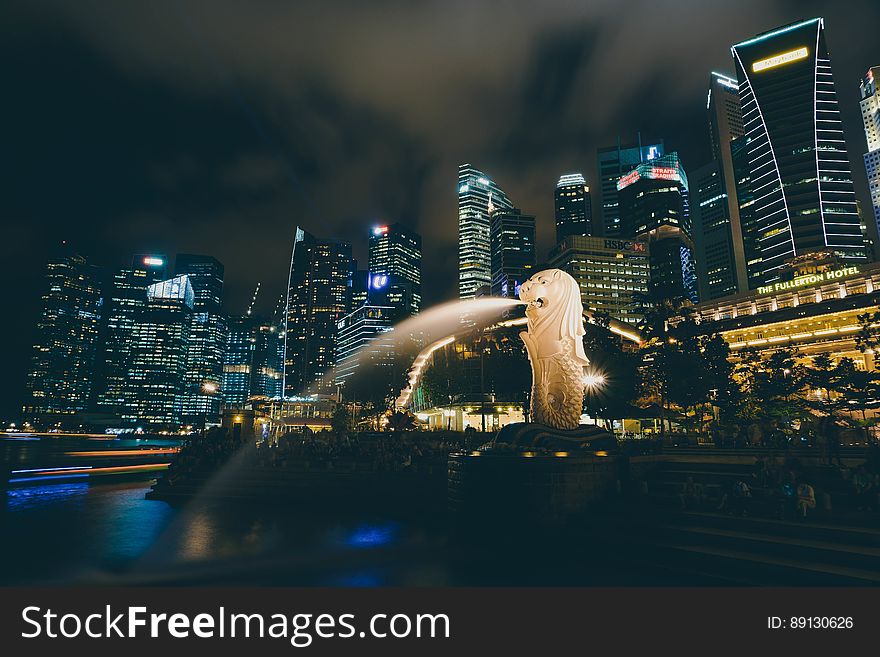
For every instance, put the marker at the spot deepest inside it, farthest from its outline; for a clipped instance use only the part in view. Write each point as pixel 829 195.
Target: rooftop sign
pixel 780 59
pixel 809 279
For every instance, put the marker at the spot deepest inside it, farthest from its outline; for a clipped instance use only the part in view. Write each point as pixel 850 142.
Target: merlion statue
pixel 555 345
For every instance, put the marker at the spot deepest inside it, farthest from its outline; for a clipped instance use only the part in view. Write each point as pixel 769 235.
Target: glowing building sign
pixel 809 279
pixel 380 230
pixel 653 173
pixel 153 262
pixel 780 59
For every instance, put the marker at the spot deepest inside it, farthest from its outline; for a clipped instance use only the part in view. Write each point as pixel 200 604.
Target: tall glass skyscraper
pixel 717 228
pixel 318 293
pixel 478 198
pixel 159 355
pixel 614 162
pixel 513 251
pixel 62 364
pixel 204 370
pixel 870 105
pixel 654 207
pixel 252 362
pixel 804 199
pixel 574 212
pixel 395 267
pixel 125 299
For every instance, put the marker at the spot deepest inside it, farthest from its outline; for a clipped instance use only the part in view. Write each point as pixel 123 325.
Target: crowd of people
pixel 388 451
pixel 202 452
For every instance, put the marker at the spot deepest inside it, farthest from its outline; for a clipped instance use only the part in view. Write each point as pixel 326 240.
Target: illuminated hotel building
pixel 478 198
pixel 62 364
pixel 614 162
pixel 801 182
pixel 124 300
pixel 395 267
pixel 654 208
pixel 159 355
pixel 870 105
pixel 720 257
pixel 815 313
pixel 318 292
pixel 204 369
pixel 608 271
pixel 574 213
pixel 513 251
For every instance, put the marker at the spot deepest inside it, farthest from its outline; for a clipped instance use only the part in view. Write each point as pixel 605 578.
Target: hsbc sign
pixel 624 245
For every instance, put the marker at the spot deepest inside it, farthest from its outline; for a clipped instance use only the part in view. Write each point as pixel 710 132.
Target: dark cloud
pixel 217 126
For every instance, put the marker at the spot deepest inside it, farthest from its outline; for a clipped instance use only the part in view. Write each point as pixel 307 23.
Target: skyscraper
pixel 395 267
pixel 359 342
pixel 654 207
pixel 804 200
pixel 870 105
pixel 207 342
pixel 609 271
pixel 124 300
pixel 513 251
pixel 478 197
pixel 159 355
pixel 318 292
pixel 614 162
pixel 62 364
pixel 574 212
pixel 252 363
pixel 721 262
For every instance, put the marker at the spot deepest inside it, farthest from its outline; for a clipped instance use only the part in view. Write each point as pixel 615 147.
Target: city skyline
pixel 512 168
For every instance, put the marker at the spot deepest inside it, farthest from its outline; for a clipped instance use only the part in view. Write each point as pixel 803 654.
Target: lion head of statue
pixel 554 309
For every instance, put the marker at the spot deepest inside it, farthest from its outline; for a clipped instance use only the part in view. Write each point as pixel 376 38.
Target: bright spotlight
pixel 594 380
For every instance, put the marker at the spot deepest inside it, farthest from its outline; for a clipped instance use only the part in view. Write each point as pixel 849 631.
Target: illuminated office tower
pixel 804 200
pixel 513 251
pixel 125 298
pixel 654 207
pixel 717 230
pixel 614 162
pixel 159 355
pixel 360 287
pixel 360 343
pixel 395 267
pixel 318 291
pixel 478 198
pixel 252 363
pixel 609 272
pixel 204 370
pixel 739 149
pixel 870 105
pixel 574 213
pixel 60 377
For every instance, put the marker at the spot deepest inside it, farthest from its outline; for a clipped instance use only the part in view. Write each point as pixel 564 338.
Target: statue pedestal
pixel 533 436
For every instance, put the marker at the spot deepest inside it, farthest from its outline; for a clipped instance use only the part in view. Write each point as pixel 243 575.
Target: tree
pixel 341 420
pixel 401 421
pixel 868 337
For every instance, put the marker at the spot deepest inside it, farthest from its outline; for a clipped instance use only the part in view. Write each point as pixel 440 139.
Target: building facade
pixel 870 106
pixel 252 361
pixel 160 356
pixel 124 301
pixel 395 267
pixel 654 207
pixel 478 198
pixel 614 162
pixel 60 378
pixel 359 340
pixel 718 236
pixel 318 292
pixel 609 271
pixel 814 313
pixel 573 207
pixel 513 251
pixel 800 177
pixel 207 343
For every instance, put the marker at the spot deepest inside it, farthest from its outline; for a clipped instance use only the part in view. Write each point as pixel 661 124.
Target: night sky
pixel 216 127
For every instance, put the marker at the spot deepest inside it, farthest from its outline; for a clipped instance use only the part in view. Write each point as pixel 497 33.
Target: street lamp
pixel 209 388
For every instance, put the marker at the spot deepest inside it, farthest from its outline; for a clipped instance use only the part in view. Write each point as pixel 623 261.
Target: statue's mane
pixel 563 315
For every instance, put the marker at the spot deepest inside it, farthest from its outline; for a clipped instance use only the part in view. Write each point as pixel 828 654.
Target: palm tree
pixel 401 421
